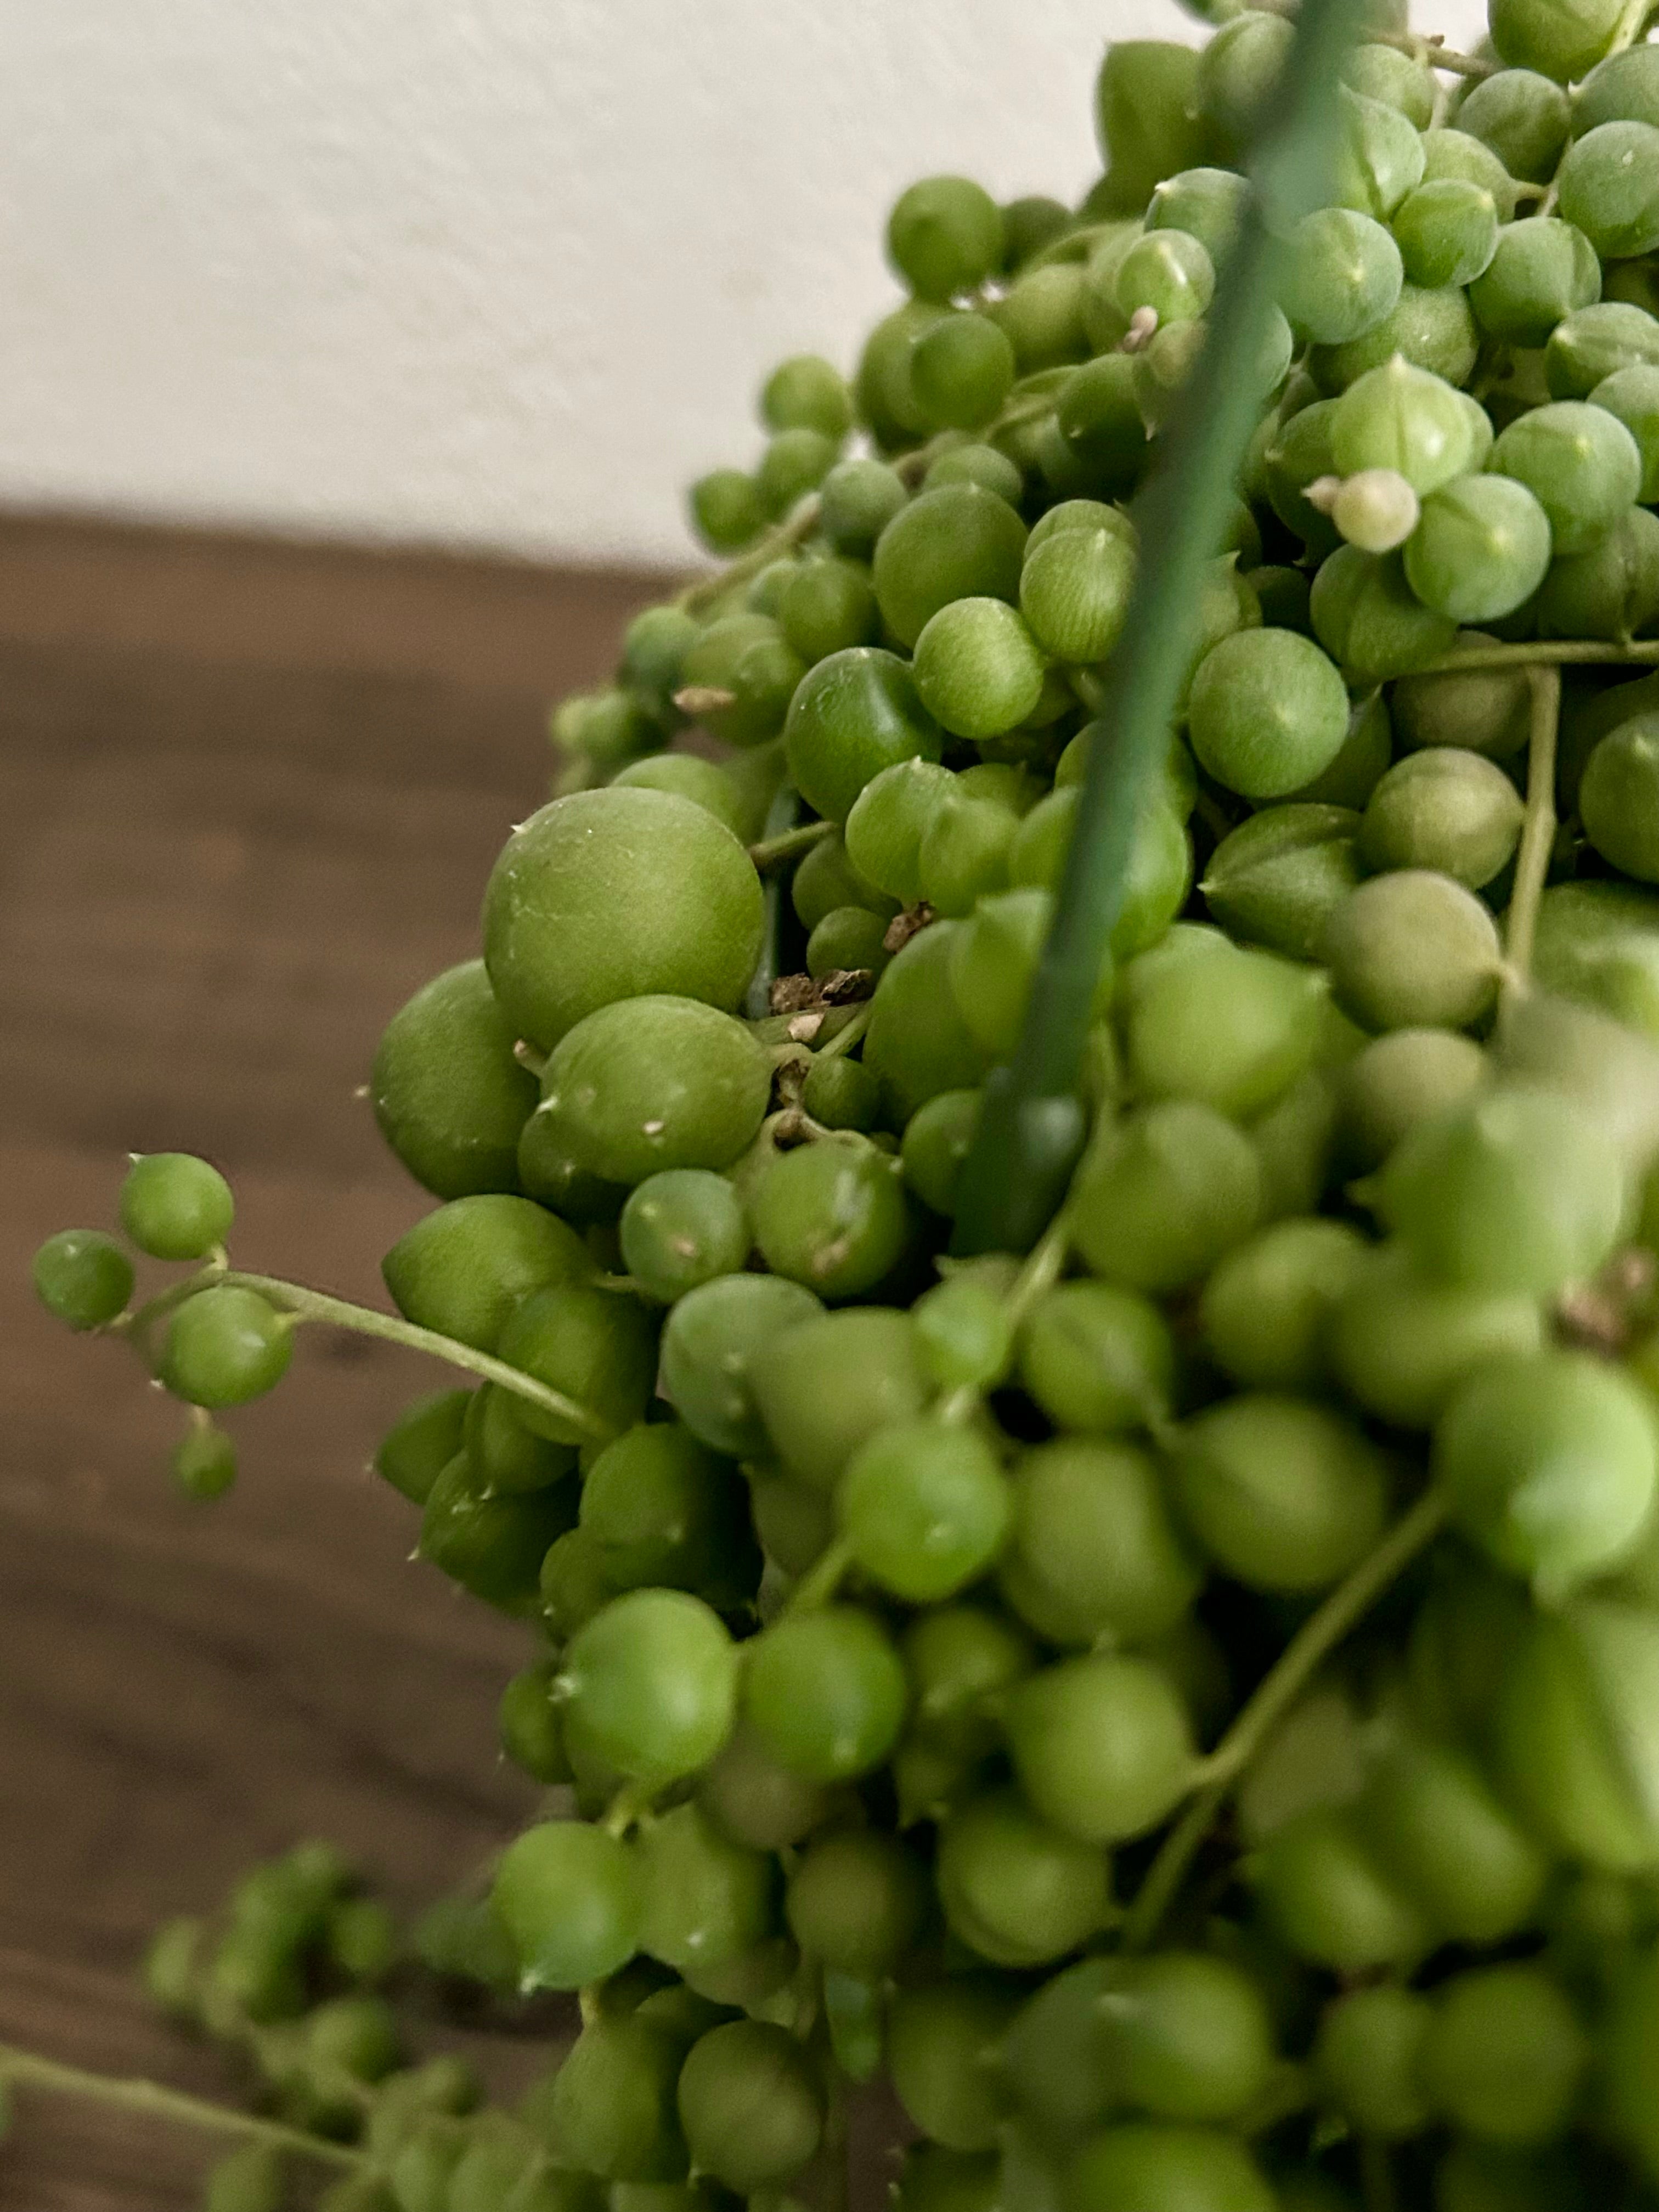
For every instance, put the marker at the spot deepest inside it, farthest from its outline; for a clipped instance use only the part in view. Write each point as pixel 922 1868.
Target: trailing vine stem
pixel 1547 653
pixel 824 1578
pixel 1632 25
pixel 134 2095
pixel 782 538
pixel 1438 57
pixel 1538 825
pixel 845 1038
pixel 339 1313
pixel 780 826
pixel 818 1585
pixel 788 842
pixel 1039 1271
pixel 796 528
pixel 631 1804
pixel 301 1304
pixel 1279 1689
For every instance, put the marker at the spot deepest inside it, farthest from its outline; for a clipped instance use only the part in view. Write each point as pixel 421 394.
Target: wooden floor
pixel 248 798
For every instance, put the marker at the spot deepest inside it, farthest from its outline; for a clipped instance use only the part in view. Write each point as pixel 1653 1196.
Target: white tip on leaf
pixel 1376 510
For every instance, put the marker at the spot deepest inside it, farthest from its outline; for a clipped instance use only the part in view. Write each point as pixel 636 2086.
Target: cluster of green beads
pixel 893 1612
pixel 219 1345
pixel 893 1629
pixel 297 1976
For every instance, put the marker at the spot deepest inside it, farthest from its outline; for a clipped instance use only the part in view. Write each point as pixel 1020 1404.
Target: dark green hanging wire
pixel 1032 1123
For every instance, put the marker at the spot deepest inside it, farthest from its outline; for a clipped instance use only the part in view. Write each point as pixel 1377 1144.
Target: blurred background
pixel 353 360
pixel 490 273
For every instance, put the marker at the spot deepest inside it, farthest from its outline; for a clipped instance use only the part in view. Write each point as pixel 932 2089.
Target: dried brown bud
pixel 903 926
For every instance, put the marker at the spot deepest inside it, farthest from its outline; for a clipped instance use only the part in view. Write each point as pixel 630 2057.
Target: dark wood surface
pixel 248 798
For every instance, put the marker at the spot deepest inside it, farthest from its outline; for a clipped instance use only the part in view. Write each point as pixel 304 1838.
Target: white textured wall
pixel 489 272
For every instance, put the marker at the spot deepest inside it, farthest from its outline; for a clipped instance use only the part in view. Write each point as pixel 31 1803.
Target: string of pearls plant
pixel 1045 1206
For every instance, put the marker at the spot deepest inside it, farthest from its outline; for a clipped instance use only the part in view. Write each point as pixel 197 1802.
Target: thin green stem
pixel 1290 1674
pixel 795 529
pixel 1538 826
pixel 271 2049
pixel 828 1025
pixel 1632 25
pixel 137 1327
pixel 822 1579
pixel 1089 688
pixel 770 850
pixel 1023 407
pixel 162 2103
pixel 782 538
pixel 1041 1272
pixel 1436 57
pixel 1032 1124
pixel 780 823
pixel 630 1805
pixel 363 1320
pixel 846 1037
pixel 1547 653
